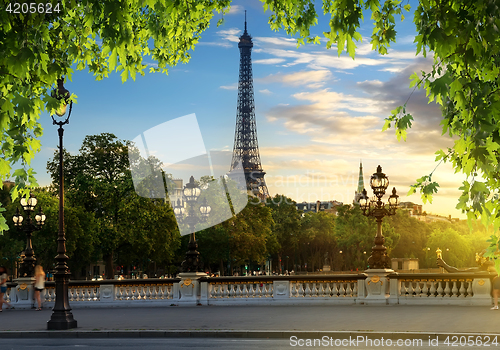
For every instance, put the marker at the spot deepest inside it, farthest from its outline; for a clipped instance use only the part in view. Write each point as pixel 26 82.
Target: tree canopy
pixel 105 36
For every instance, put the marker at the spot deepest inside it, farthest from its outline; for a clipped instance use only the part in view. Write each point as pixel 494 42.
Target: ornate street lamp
pixel 61 318
pixel 376 208
pixel 191 194
pixel 27 267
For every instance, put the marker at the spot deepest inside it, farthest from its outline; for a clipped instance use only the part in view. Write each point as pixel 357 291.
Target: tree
pixel 286 226
pixel 79 224
pixel 251 238
pixel 413 237
pixel 129 227
pixel 455 248
pixel 355 235
pixel 317 241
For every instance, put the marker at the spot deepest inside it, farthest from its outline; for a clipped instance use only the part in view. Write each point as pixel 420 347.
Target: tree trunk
pixel 110 272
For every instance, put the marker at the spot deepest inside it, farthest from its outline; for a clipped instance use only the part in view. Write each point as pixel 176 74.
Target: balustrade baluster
pixel 433 289
pixel 301 290
pixel 314 290
pixel 118 292
pixel 328 290
pixel 469 288
pixel 454 290
pixel 425 290
pixel 86 296
pixel 214 292
pixel 447 290
pixel 335 292
pixel 349 289
pixel 440 289
pixel 244 292
pixel 251 291
pixel 308 289
pixel 355 289
pixel 404 288
pixel 341 289
pixel 270 290
pixel 462 289
pixel 321 291
pixel 413 290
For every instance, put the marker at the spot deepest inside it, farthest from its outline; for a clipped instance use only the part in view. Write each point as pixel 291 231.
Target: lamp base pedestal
pixel 189 288
pixel 22 296
pixel 377 286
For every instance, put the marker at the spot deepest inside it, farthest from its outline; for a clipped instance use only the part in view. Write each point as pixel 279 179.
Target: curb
pixel 349 335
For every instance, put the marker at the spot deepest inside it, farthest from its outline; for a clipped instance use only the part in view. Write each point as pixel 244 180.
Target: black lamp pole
pixel 61 318
pixel 376 208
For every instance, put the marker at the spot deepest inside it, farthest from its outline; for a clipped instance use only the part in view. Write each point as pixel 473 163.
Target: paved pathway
pixel 272 321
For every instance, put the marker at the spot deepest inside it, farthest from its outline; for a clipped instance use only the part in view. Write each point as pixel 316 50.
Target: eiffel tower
pixel 246 147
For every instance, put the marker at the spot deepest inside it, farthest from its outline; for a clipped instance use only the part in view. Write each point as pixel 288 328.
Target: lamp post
pixel 61 318
pixel 376 208
pixel 27 267
pixel 191 193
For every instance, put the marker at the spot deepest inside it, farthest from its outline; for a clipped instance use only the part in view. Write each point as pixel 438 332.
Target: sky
pixel 318 115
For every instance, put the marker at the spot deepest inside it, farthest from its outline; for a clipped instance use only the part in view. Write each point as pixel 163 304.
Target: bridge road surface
pixel 184 344
pixel 258 322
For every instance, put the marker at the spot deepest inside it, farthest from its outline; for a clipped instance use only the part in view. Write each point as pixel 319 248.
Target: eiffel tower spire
pixel 246 147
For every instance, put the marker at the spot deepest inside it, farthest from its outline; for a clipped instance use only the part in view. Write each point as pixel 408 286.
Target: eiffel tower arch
pixel 246 147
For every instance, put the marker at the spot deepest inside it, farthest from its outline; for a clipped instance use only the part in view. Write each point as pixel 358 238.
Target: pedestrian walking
pixel 3 286
pixel 39 285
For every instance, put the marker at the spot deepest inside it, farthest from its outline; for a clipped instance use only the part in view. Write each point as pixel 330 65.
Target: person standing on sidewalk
pixel 39 285
pixel 496 292
pixel 3 286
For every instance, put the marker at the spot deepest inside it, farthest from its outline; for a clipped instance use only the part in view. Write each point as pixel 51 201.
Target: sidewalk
pixel 259 321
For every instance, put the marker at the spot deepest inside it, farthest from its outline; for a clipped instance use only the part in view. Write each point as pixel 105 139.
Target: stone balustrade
pixel 441 288
pixel 370 287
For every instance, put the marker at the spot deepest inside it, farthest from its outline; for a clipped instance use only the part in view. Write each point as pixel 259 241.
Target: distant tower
pixel 361 185
pixel 246 147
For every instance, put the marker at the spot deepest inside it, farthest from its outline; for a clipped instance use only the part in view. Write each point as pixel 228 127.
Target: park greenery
pixel 107 221
pixel 108 36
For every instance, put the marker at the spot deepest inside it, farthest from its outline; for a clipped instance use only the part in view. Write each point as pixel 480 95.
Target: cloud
pixel 317 77
pixel 265 91
pixel 269 61
pixel 230 87
pixel 259 41
pixel 235 9
pixel 352 123
pixel 231 34
pixel 222 44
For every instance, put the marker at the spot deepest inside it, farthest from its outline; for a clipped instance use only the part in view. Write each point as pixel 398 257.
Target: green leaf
pixel 113 59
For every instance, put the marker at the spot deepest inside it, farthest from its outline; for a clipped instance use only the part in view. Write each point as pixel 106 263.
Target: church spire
pixel 361 185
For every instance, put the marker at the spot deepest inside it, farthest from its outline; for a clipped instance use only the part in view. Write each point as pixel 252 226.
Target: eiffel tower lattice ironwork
pixel 246 148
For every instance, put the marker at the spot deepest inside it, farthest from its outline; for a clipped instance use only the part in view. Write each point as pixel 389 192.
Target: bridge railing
pixel 395 288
